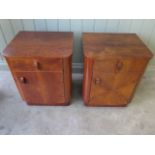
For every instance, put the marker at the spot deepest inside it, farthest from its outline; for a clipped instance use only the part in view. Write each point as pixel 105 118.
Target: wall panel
pixel 64 25
pixel 7 30
pixel 146 30
pixel 28 24
pixel 100 25
pixel 88 25
pixel 52 24
pixel 124 25
pixel 17 25
pixel 112 25
pixel 76 27
pixel 40 25
pixel 2 44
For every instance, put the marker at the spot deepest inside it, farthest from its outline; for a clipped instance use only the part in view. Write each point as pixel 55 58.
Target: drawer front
pixel 120 65
pixel 41 87
pixel 32 64
pixel 113 88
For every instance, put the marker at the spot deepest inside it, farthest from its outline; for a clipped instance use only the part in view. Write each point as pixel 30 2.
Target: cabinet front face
pixel 113 82
pixel 41 87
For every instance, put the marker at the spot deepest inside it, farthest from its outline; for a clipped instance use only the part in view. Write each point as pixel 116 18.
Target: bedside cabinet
pixel 113 66
pixel 40 63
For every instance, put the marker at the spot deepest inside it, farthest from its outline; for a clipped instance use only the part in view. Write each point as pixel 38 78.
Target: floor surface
pixel 16 117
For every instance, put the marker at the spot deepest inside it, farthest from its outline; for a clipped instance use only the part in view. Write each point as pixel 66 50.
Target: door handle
pixel 23 80
pixel 119 66
pixel 36 64
pixel 97 81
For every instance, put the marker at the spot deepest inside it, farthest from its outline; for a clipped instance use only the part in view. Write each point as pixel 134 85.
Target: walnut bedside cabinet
pixel 113 66
pixel 40 63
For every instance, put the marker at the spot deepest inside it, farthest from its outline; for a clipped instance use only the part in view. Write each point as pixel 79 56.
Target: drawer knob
pixel 119 66
pixel 23 80
pixel 36 64
pixel 97 81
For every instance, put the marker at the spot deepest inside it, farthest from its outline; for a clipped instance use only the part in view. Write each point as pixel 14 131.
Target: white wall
pixel 144 28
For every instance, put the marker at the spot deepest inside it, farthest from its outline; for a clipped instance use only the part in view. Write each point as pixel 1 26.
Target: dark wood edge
pixel 52 104
pixel 120 105
pixel 87 78
pixel 67 74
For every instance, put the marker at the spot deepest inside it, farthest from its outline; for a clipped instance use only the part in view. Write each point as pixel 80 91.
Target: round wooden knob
pixel 36 64
pixel 119 65
pixel 23 80
pixel 97 81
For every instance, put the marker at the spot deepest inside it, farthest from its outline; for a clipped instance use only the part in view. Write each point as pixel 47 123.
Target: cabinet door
pixel 41 87
pixel 113 88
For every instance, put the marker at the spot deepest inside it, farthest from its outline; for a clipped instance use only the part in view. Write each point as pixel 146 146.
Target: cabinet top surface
pixel 104 45
pixel 40 44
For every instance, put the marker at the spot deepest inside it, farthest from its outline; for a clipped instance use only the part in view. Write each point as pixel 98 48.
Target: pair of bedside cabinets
pixel 40 63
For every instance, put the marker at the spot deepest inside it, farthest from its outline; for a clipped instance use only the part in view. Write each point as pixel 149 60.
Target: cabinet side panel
pixel 140 78
pixel 88 69
pixel 67 71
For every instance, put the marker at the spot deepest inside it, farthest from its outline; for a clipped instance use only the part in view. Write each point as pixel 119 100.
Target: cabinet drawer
pixel 120 65
pixel 34 64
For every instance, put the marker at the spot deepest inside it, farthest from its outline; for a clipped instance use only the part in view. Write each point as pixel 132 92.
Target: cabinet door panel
pixel 41 87
pixel 113 88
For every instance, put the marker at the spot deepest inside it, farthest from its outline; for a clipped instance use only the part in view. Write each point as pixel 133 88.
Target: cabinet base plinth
pixel 48 104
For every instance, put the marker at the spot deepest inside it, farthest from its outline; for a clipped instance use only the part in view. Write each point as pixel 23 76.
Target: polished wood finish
pixel 113 66
pixel 40 63
pixel 41 87
pixel 67 70
pixel 107 45
pixel 36 64
pixel 87 77
pixel 40 44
